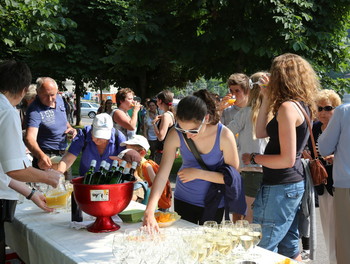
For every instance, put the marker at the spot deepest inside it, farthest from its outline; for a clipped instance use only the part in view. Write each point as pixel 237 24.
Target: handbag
pixel 8 208
pixel 318 171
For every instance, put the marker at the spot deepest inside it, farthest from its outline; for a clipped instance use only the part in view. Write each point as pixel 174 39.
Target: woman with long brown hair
pixel 292 85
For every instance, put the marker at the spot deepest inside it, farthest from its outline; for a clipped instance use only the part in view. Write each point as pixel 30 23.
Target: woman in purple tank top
pixel 197 119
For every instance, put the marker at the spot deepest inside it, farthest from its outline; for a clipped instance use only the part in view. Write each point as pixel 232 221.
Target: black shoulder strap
pixel 195 152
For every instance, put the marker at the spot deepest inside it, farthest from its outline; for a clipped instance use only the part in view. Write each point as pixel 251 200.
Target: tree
pixel 31 25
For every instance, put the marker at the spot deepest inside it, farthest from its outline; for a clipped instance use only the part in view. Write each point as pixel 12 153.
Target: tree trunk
pixel 142 85
pixel 78 87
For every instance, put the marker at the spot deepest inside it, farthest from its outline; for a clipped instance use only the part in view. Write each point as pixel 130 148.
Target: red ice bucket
pixel 102 201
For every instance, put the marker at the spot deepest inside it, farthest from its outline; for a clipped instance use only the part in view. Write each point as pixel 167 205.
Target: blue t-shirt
pixel 83 142
pixel 51 122
pixel 194 192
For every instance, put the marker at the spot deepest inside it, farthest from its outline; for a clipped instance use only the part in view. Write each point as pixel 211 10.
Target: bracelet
pixel 252 158
pixel 31 194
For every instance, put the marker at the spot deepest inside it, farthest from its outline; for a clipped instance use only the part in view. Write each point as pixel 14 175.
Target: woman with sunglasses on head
pixel 291 86
pixel 326 101
pixel 197 119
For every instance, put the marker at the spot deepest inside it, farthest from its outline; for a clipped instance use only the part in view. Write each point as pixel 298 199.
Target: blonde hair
pixel 292 78
pixel 327 95
pixel 255 99
pixel 30 93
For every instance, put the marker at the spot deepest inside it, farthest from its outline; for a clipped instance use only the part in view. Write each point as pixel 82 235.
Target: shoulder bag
pixel 318 171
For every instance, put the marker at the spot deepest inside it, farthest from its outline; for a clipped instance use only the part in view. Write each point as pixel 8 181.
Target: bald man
pixel 47 125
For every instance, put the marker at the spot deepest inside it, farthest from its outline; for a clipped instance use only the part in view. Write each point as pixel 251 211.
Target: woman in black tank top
pixel 164 122
pixel 276 205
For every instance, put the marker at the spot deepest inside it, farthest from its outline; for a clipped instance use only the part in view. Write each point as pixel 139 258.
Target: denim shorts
pixel 275 208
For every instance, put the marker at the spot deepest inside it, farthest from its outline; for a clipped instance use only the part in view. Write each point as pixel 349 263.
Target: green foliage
pixel 31 25
pixel 149 45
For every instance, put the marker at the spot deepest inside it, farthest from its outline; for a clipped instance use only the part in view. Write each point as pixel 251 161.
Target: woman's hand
pixel 40 200
pixel 150 222
pixel 189 174
pixel 246 158
pixel 137 106
pixel 329 159
pixel 264 83
pixel 156 119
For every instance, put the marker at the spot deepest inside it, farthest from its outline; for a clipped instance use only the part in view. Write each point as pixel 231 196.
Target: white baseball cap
pixel 137 140
pixel 102 126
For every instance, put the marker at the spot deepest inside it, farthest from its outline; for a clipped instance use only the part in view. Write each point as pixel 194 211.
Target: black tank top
pixel 160 144
pixel 287 175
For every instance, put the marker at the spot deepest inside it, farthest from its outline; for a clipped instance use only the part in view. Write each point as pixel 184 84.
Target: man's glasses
pixel 191 131
pixel 326 108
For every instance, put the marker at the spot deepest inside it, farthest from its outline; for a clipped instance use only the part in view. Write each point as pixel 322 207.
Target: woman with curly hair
pixel 326 101
pixel 292 84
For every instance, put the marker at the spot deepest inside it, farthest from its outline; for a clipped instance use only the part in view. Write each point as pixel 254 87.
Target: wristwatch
pixel 252 158
pixel 31 194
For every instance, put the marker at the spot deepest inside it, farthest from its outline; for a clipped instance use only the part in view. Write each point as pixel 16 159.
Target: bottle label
pixel 99 195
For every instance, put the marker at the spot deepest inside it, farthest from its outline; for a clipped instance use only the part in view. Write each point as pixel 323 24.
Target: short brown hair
pixel 121 95
pixel 239 79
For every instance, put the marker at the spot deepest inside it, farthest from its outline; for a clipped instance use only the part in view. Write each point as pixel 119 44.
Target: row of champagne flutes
pixel 210 243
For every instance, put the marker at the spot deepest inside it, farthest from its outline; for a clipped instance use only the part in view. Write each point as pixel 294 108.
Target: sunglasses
pixel 326 108
pixel 191 131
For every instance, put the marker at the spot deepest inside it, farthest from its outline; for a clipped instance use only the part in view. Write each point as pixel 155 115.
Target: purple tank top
pixel 194 192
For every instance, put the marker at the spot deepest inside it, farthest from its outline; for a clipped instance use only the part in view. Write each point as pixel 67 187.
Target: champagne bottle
pixel 96 176
pixel 117 175
pixel 90 172
pixel 110 173
pixel 128 174
pixel 103 176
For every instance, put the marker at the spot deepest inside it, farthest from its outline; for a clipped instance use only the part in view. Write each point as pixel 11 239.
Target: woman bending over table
pixel 197 119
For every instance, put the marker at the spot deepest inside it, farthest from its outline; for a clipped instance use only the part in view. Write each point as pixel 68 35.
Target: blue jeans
pixel 275 208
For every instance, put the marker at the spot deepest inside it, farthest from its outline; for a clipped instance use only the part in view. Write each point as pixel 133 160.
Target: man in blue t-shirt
pixel 47 125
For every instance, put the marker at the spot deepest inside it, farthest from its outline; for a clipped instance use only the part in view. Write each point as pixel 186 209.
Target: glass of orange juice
pixel 232 100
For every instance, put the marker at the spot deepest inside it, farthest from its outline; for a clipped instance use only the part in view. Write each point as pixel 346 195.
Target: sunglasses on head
pixel 191 131
pixel 326 108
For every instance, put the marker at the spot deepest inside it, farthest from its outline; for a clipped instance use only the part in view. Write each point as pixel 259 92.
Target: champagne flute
pixel 210 226
pixel 256 232
pixel 247 241
pixel 120 248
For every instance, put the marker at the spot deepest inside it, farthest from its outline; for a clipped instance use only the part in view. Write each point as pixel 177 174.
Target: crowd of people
pixel 241 161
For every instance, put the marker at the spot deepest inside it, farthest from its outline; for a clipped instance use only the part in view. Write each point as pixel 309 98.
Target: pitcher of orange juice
pixel 57 198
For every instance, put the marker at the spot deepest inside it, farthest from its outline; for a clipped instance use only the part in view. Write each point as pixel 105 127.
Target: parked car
pixel 88 109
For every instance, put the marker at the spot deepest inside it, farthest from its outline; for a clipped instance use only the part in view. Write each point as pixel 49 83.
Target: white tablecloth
pixel 42 238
